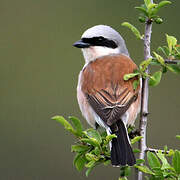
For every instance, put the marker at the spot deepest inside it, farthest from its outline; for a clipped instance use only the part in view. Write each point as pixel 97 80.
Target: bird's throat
pixel 94 52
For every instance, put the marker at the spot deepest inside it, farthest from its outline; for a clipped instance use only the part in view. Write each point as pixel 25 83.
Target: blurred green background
pixel 38 76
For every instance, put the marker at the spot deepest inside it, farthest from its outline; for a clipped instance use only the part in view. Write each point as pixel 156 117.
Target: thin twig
pixel 144 97
pixel 156 150
pixel 168 61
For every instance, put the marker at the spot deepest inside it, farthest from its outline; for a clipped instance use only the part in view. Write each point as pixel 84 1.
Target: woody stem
pixel 144 96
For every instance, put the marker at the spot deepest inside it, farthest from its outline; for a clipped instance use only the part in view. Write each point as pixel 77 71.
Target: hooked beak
pixel 81 44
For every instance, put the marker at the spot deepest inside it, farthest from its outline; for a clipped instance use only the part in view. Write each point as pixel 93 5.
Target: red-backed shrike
pixel 103 95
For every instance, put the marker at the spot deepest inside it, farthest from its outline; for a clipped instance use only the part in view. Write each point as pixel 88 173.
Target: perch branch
pixel 144 96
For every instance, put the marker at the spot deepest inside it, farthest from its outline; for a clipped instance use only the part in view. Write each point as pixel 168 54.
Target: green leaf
pixel 103 134
pixel 144 64
pixel 88 171
pixel 172 42
pixel 151 6
pixel 131 128
pixel 158 20
pixel 163 50
pixel 159 6
pixel 143 10
pixel 159 59
pixel 152 11
pixel 136 84
pixel 136 139
pixel 176 161
pixel 177 51
pixel 91 157
pixel 147 178
pixel 162 4
pixel 110 137
pixel 96 151
pixel 170 153
pixel 165 164
pixel 79 161
pixel 165 149
pixel 90 164
pixel 164 69
pixel 130 75
pixel 79 148
pixel 166 49
pixel 77 124
pixel 123 178
pixel 93 134
pixel 90 141
pixel 125 171
pixel 158 173
pixel 147 2
pixel 178 137
pixel 144 169
pixel 153 161
pixel 142 19
pixel 155 78
pixel 136 150
pixel 76 158
pixel 173 68
pixel 65 123
pixel 140 161
pixel 107 162
pixel 133 29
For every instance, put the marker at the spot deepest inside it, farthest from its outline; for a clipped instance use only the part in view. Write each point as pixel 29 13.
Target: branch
pixel 168 61
pixel 144 96
pixel 156 150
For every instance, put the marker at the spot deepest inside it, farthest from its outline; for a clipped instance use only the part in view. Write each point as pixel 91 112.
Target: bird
pixel 104 97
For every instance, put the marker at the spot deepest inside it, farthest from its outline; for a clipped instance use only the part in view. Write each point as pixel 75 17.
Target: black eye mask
pixel 100 41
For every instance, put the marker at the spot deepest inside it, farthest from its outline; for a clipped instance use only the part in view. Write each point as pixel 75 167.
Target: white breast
pixel 95 52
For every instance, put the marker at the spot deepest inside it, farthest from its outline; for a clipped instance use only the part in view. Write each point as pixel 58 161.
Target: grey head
pixel 105 41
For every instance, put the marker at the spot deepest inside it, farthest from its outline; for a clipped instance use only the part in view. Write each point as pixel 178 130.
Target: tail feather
pixel 121 151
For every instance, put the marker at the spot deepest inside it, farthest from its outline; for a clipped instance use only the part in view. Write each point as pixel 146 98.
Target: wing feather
pixel 105 89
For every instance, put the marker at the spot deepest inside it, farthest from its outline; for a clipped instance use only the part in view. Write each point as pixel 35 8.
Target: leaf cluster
pixel 91 148
pixel 159 166
pixel 150 10
pixel 171 52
